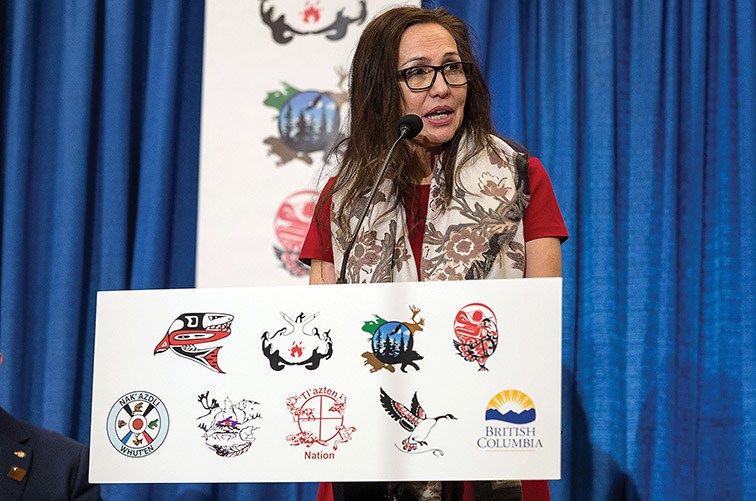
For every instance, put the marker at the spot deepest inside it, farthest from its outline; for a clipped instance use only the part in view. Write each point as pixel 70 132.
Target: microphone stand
pixel 403 132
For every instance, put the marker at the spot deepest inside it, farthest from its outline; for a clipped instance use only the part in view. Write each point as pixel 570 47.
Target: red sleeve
pixel 543 217
pixel 317 243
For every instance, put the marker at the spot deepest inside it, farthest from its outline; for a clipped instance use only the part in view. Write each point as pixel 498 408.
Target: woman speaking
pixel 457 202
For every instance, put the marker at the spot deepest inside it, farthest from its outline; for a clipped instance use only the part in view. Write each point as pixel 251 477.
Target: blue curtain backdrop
pixel 642 111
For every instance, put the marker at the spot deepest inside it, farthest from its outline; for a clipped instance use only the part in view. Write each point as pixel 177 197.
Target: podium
pixel 359 382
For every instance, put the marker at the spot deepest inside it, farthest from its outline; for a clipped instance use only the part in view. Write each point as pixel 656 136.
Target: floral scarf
pixel 477 235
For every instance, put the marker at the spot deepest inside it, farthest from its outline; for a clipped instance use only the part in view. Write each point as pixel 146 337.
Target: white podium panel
pixel 411 381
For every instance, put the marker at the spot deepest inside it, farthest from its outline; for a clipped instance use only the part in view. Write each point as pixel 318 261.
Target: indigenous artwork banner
pixel 407 381
pixel 274 99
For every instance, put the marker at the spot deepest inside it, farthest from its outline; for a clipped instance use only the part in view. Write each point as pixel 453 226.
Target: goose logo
pixel 510 423
pixel 137 424
pixel 330 18
pixel 414 419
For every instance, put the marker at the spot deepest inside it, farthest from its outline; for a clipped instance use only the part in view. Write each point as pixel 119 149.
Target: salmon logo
pixel 194 336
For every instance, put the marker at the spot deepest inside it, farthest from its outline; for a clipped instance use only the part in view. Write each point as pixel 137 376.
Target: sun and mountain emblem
pixel 393 343
pixel 308 121
pixel 511 406
pixel 194 336
pixel 477 334
pixel 414 419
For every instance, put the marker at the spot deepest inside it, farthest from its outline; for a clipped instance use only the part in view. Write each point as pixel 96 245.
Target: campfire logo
pixel 392 343
pixel 194 336
pixel 308 121
pixel 291 223
pixel 229 430
pixel 330 18
pixel 477 334
pixel 416 422
pixel 137 424
pixel 319 415
pixel 293 345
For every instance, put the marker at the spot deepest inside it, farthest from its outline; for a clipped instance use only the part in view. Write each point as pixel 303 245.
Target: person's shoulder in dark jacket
pixel 42 464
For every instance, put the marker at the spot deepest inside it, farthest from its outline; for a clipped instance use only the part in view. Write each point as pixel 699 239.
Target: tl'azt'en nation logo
pixel 477 333
pixel 416 422
pixel 194 336
pixel 329 18
pixel 137 424
pixel 229 430
pixel 295 345
pixel 319 415
pixel 392 343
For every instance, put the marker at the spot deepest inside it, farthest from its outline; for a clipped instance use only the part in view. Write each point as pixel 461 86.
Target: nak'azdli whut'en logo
pixel 195 335
pixel 416 422
pixel 229 430
pixel 290 225
pixel 295 344
pixel 137 424
pixel 329 18
pixel 392 343
pixel 319 416
pixel 477 333
pixel 510 423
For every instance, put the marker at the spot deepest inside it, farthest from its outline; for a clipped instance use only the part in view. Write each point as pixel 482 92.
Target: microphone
pixel 409 126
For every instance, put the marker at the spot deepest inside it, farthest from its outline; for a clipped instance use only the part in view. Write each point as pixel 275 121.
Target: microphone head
pixel 410 126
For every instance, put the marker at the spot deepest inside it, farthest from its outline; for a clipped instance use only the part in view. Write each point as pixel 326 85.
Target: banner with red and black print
pixel 274 98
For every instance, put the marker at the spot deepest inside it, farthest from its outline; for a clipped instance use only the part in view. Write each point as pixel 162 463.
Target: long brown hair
pixel 375 108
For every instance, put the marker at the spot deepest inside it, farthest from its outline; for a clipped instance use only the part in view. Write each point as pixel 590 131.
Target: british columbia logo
pixel 290 225
pixel 297 343
pixel 137 424
pixel 392 343
pixel 330 18
pixel 308 121
pixel 477 334
pixel 416 422
pixel 195 335
pixel 228 430
pixel 510 418
pixel 319 416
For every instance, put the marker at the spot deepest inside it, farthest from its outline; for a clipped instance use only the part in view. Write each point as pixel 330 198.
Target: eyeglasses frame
pixel 466 68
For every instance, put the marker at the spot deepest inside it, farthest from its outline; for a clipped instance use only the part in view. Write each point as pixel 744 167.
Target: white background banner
pixel 274 96
pixel 356 382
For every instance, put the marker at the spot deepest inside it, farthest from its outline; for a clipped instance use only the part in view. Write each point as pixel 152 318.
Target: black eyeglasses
pixel 423 77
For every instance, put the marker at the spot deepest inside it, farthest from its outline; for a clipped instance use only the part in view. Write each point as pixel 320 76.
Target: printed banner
pixel 274 97
pixel 413 381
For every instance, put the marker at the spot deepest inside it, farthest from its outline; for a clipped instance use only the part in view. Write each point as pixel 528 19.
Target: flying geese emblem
pixel 415 420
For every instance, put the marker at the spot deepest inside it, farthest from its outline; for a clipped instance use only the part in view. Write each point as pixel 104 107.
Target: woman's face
pixel 441 107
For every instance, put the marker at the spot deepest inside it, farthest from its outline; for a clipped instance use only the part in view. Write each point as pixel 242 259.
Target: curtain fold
pixel 642 111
